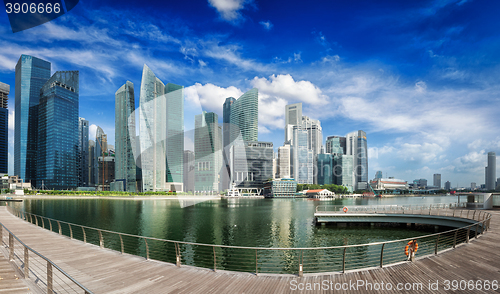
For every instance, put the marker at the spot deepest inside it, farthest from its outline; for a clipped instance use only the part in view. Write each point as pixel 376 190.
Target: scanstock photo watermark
pixel 364 285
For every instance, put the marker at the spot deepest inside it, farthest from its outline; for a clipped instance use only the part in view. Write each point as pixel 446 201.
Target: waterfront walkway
pixel 107 271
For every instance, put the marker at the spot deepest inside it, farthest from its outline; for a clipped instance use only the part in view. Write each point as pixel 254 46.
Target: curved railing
pixel 270 260
pixel 44 273
pixel 390 208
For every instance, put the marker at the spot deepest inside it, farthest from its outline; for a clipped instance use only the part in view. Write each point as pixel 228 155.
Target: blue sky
pixel 420 77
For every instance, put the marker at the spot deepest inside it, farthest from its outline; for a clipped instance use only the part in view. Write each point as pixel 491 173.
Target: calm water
pixel 241 222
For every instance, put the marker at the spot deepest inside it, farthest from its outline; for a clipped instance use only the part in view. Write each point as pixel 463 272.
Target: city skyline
pixel 423 90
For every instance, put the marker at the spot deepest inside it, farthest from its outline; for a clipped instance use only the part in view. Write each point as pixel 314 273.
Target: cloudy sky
pixel 420 77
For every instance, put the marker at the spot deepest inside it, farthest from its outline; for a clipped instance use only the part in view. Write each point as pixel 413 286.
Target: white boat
pixel 233 192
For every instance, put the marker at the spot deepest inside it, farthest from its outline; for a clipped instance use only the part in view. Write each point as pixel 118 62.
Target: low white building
pixel 320 193
pixel 389 184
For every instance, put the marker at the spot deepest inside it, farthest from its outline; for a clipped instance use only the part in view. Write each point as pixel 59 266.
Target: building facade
pixel 125 168
pixel 293 117
pixel 284 164
pixel 491 171
pixel 447 185
pixel 437 181
pixel 252 165
pixel 189 171
pixel 31 75
pixel 4 128
pixel 244 117
pixel 280 188
pixel 302 157
pixel 174 96
pixel 83 152
pixel 325 164
pixel 356 145
pixel 57 144
pixel 335 145
pixel 207 152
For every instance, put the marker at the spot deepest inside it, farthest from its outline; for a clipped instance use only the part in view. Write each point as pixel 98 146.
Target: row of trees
pixel 334 188
pixel 94 193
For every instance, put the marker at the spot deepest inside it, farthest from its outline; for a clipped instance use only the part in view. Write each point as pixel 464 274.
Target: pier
pixel 101 270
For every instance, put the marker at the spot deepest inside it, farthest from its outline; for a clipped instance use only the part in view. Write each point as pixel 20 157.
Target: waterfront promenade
pixel 107 271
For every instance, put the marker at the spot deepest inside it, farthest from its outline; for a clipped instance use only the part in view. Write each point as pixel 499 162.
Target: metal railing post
pixel 70 231
pixel 177 255
pixel 382 256
pixel 215 259
pixel 26 263
pixel 84 235
pixel 468 213
pixel 477 228
pixel 59 227
pixel 301 266
pixel 11 247
pixel 36 221
pixel 1 234
pixel 343 260
pixel 455 239
pixel 147 248
pixel 43 222
pixel 474 215
pixel 468 233
pixel 256 263
pixel 101 243
pixel 50 223
pixel 121 242
pixel 436 247
pixel 49 279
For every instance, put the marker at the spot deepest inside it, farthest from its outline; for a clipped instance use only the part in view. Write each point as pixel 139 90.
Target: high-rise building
pixel 437 181
pixel 344 171
pixel 226 129
pixel 83 152
pixel 356 145
pixel 57 148
pixel 252 165
pixel 125 168
pixel 335 145
pixel 325 169
pixel 302 157
pixel 207 152
pixel 314 134
pixel 284 164
pixel 378 174
pixel 189 160
pixel 31 75
pixel 4 128
pixel 473 186
pixel 447 185
pixel 491 171
pixel 91 166
pixel 106 176
pixel 101 147
pixel 174 95
pixel 244 117
pixel 293 117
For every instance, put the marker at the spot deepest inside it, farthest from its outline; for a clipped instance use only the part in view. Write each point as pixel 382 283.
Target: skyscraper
pixel 378 174
pixel 302 157
pixel 4 128
pixel 174 95
pixel 356 145
pixel 188 177
pixel 284 161
pixel 293 117
pixel 92 167
pixel 314 134
pixel 207 152
pixel 244 117
pixel 335 145
pixel 325 169
pixel 125 168
pixel 437 181
pixel 57 148
pixel 83 152
pixel 101 146
pixel 226 129
pixel 447 185
pixel 31 75
pixel 491 171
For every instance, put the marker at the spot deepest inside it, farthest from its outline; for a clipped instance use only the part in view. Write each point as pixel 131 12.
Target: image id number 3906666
pixel 470 285
pixel 33 8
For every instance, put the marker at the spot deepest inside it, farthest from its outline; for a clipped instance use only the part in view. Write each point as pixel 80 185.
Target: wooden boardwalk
pixel 107 271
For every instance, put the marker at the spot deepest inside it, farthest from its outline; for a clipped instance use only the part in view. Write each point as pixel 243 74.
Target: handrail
pixel 26 267
pixel 482 224
pixel 392 207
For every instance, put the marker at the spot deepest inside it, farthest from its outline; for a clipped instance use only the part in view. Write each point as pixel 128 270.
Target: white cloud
pixel 92 131
pixel 230 54
pixel 266 24
pixel 330 59
pixel 420 86
pixel 210 96
pixel 12 119
pixel 228 9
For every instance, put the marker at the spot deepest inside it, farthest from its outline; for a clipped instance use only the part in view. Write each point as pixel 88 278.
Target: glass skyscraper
pixel 4 128
pixel 161 115
pixel 58 132
pixel 125 168
pixel 207 152
pixel 356 145
pixel 302 157
pixel 325 169
pixel 31 75
pixel 244 117
pixel 83 152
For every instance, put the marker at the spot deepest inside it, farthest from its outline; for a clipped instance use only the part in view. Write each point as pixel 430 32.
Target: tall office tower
pixel 106 172
pixel 83 152
pixel 491 171
pixel 174 95
pixel 335 145
pixel 302 157
pixel 356 145
pixel 284 161
pixel 125 169
pixel 293 117
pixel 314 133
pixel 473 186
pixel 91 166
pixel 244 117
pixel 207 152
pixel 31 75
pixel 226 129
pixel 325 169
pixel 378 174
pixel 447 185
pixel 4 128
pixel 344 171
pixel 153 130
pixel 437 181
pixel 188 177
pixel 57 160
pixel 101 147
